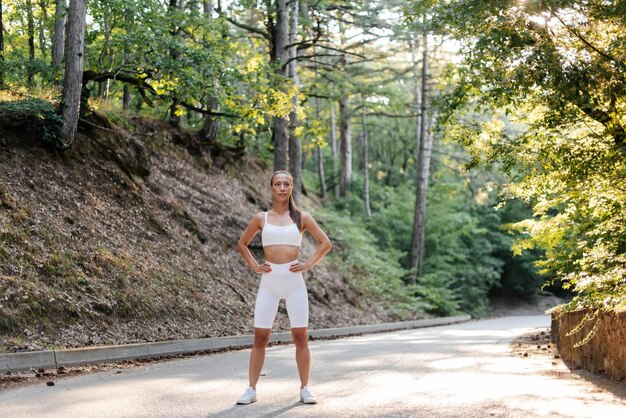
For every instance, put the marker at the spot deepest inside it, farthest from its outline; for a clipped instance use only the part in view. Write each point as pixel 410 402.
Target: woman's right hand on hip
pixel 263 268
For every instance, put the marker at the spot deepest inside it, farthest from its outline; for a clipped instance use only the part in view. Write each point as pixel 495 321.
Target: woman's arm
pixel 323 244
pixel 255 225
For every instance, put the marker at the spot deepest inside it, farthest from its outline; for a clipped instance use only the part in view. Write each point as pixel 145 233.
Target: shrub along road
pixel 467 370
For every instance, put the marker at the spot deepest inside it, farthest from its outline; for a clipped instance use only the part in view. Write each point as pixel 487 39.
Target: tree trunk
pixel 333 146
pixel 345 124
pixel 175 117
pixel 73 81
pixel 320 171
pixel 424 148
pixel 58 38
pixel 320 152
pixel 31 43
pixel 42 24
pixel 207 6
pixel 366 171
pixel 126 98
pixel 208 133
pixel 280 54
pixel 345 139
pixel 1 47
pixel 295 150
pixel 106 56
pixel 333 131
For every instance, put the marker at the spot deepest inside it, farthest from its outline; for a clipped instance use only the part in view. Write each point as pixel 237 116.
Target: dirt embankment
pixel 131 237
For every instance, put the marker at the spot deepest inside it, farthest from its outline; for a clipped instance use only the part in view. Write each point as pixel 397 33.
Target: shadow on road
pixel 238 409
pixel 616 388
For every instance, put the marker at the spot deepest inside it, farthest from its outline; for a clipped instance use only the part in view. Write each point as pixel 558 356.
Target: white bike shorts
pixel 279 284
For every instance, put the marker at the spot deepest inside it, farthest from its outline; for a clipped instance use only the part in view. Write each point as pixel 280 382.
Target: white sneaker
pixel 248 397
pixel 306 396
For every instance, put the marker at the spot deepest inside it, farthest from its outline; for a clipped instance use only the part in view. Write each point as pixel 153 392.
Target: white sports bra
pixel 280 234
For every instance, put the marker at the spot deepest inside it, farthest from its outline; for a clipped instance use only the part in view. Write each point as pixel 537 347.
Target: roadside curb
pixel 79 356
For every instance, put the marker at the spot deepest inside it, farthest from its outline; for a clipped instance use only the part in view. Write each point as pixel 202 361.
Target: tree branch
pixel 321 96
pixel 249 28
pixel 343 51
pixel 586 42
pixel 572 94
pixel 207 112
pixel 306 57
pixel 129 78
pixel 142 85
pixel 322 63
pixel 391 115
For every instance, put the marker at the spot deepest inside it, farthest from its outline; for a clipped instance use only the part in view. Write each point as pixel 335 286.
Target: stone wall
pixel 605 352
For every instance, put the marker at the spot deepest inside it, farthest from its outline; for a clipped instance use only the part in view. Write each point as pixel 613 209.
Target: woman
pixel 281 233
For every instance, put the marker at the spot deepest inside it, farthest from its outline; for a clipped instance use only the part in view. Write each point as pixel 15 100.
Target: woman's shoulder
pixel 258 217
pixel 306 216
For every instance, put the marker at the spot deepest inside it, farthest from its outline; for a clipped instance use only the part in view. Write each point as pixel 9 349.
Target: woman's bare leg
pixel 303 355
pixel 257 357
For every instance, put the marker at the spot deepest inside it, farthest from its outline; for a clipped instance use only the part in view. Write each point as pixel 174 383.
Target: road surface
pixel 462 370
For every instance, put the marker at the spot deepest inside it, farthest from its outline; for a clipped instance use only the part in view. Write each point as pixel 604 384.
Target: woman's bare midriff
pixel 281 254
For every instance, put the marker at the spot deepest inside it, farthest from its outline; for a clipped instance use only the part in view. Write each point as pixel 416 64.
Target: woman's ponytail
pixel 295 213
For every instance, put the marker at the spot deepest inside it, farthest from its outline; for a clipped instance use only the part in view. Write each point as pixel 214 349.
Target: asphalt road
pixel 463 370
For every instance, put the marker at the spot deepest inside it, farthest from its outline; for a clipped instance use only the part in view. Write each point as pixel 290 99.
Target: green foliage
pixel 392 217
pixel 168 56
pixel 519 276
pixel 38 117
pixel 186 56
pixel 462 240
pixel 363 263
pixel 468 251
pixel 557 68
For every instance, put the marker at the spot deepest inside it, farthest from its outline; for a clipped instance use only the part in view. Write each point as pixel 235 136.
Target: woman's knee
pixel 261 338
pixel 300 337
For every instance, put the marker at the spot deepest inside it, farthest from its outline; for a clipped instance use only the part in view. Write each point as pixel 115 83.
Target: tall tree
pixel 279 30
pixel 334 148
pixel 276 17
pixel 295 148
pixel 320 156
pixel 2 63
pixel 58 37
pixel 345 123
pixel 73 80
pixel 424 140
pixel 175 109
pixel 42 27
pixel 31 43
pixel 319 151
pixel 366 170
pixel 106 57
pixel 345 147
pixel 208 133
pixel 127 97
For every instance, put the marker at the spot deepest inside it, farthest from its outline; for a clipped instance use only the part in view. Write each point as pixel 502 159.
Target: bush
pixel 37 117
pixel 362 262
